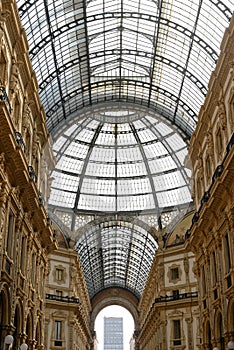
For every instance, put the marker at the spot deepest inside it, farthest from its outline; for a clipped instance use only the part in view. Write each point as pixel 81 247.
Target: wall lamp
pixel 8 341
pixel 231 345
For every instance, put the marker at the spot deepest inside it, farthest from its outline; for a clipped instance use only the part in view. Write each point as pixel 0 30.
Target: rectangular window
pixel 199 188
pixel 22 257
pixel 33 268
pixel 17 111
pixel 58 333
pixel 208 167
pixel 41 280
pixel 227 253
pixel 176 332
pixel 219 142
pixel 175 273
pixel 3 71
pixel 214 268
pixel 59 274
pixel 10 231
pixel 203 282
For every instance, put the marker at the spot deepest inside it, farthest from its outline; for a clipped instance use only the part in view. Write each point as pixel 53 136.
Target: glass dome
pixel 121 167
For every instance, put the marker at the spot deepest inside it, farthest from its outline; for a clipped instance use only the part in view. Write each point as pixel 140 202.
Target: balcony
pixel 65 299
pixel 170 298
pixel 176 297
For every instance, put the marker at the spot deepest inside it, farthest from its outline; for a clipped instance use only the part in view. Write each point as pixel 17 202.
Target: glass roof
pixel 116 253
pixel 105 167
pixel 121 83
pixel 158 54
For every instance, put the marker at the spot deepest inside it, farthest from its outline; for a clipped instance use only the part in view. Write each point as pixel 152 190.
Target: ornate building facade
pixel 26 236
pixel 169 313
pixel 211 235
pixel 30 282
pixel 45 303
pixel 68 307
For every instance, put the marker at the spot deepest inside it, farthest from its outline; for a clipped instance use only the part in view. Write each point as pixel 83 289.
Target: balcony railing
pixel 64 299
pixel 20 141
pixel 32 173
pixel 176 297
pixel 4 97
pixel 169 298
pixel 41 198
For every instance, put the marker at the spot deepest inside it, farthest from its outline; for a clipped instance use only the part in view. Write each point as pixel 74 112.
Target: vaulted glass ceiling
pixel 116 253
pixel 158 54
pixel 122 83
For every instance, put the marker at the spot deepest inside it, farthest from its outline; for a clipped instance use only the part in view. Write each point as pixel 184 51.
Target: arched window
pixel 230 318
pixel 4 315
pixel 115 320
pixel 207 334
pixel 219 335
pixel 38 332
pixel 29 327
pixel 17 325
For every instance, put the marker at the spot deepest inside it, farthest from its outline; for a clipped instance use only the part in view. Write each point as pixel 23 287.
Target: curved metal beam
pixel 70 138
pixel 129 255
pixel 223 8
pixel 118 61
pixel 85 38
pixel 219 4
pixel 54 57
pixel 166 93
pixel 143 253
pixel 162 113
pixel 188 57
pixel 107 15
pixel 115 82
pixel 158 58
pixel 155 50
pixel 84 170
pixel 169 149
pixel 119 178
pixel 148 172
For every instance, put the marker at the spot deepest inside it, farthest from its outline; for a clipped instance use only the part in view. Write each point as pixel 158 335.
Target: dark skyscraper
pixel 113 333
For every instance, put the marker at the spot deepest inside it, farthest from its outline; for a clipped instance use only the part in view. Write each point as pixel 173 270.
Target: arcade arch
pixel 115 296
